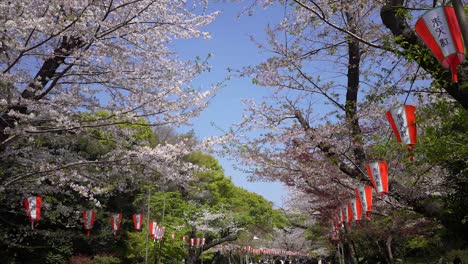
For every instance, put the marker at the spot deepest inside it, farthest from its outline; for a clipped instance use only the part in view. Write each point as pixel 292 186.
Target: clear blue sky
pixel 232 48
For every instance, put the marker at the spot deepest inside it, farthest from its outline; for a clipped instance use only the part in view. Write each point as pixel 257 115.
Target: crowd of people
pixel 286 260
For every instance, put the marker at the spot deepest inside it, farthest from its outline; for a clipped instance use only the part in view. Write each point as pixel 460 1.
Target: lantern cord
pixel 412 83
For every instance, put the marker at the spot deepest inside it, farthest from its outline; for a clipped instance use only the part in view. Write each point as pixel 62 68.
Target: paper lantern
pixel 182 238
pixel 153 229
pixel 364 194
pixel 88 220
pixel 378 173
pixel 116 219
pixel 203 240
pixel 403 122
pixel 356 209
pixel 197 242
pixel 137 221
pixel 160 232
pixel 440 31
pixel 192 241
pixel 156 232
pixel 173 236
pixel 33 209
pixel 347 214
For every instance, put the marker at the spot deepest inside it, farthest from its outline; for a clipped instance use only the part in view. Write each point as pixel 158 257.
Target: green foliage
pixel 106 260
pixel 418 242
pixel 445 143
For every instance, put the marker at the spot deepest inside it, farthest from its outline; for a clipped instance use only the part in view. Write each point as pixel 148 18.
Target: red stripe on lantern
pixel 88 220
pixel 364 194
pixel 402 120
pixel 378 173
pixel 33 208
pixel 137 221
pixel 116 219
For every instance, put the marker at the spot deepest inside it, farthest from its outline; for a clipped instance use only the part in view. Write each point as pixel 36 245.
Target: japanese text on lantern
pixel 402 125
pixel 441 30
pixel 376 174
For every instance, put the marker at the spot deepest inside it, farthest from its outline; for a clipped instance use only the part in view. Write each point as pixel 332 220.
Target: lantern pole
pixel 460 12
pixel 147 224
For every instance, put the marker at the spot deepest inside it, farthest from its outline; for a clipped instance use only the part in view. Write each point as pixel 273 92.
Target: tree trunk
pixel 347 251
pixel 389 249
pixel 192 257
pixel 356 256
pixel 43 77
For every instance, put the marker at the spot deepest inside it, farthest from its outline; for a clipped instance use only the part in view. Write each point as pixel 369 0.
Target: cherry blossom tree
pixel 334 71
pixel 95 71
pixel 83 84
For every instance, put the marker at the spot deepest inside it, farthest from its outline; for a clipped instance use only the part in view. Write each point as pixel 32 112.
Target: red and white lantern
pixel 33 209
pixel 116 219
pixel 440 31
pixel 153 228
pixel 192 242
pixel 356 208
pixel 137 221
pixel 403 122
pixel 203 240
pixel 347 214
pixel 160 230
pixel 364 194
pixel 378 173
pixel 197 242
pixel 88 220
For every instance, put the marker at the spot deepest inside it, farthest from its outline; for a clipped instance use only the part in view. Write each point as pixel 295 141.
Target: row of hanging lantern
pixel 266 251
pixel 440 31
pixel 197 242
pixel 33 210
pixel 402 120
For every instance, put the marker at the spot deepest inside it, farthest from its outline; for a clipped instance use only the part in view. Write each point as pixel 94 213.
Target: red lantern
pixel 197 241
pixel 347 214
pixel 88 220
pixel 378 173
pixel 364 194
pixel 116 219
pixel 403 122
pixel 440 31
pixel 33 209
pixel 203 240
pixel 160 232
pixel 137 221
pixel 192 242
pixel 356 208
pixel 153 228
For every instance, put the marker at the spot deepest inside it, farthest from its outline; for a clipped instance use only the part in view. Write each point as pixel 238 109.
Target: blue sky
pixel 231 47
